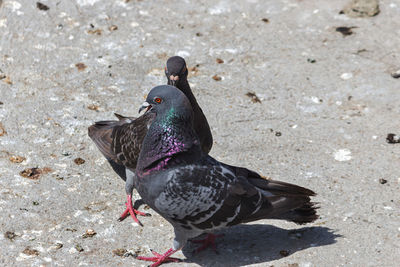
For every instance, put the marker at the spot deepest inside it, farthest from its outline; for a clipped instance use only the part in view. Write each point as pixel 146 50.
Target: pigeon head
pixel 166 100
pixel 176 70
pixel 171 133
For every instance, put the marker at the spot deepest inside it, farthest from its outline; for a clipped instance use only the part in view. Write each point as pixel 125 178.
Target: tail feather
pixel 284 201
pixel 281 188
pixel 305 214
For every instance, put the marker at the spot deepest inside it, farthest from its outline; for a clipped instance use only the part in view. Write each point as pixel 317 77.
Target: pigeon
pixel 177 72
pixel 196 193
pixel 120 141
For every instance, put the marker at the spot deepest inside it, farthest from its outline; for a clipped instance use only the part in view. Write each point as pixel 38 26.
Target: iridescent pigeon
pixel 196 193
pixel 120 141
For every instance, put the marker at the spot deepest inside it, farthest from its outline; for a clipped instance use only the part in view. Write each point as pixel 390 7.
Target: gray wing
pixel 120 141
pixel 203 197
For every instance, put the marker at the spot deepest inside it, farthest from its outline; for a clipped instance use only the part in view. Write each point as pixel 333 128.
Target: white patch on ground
pixel 94 218
pixel 184 54
pixel 78 213
pixel 3 23
pixel 134 24
pixel 219 9
pixel 61 165
pixel 231 50
pixel 346 76
pixel 100 161
pixel 86 2
pixel 47 259
pixel 315 100
pixel 342 155
pixel 306 109
pixel 22 257
pixel 13 5
pixel 110 231
pixel 38 232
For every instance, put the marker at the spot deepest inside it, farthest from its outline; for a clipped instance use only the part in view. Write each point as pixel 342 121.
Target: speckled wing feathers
pixel 208 197
pixel 192 203
pixel 120 141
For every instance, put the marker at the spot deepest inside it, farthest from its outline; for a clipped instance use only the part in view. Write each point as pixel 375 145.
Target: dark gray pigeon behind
pixel 177 72
pixel 196 193
pixel 120 141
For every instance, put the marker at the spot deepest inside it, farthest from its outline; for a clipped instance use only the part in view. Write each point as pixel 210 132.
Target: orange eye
pixel 158 100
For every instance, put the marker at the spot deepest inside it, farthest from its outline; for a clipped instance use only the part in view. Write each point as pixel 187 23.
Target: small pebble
pixel 58 245
pixel 41 6
pixel 219 61
pixel 216 77
pixel 79 161
pixel 10 235
pixel 89 233
pixel 79 248
pixel 80 66
pixel 396 74
pixel 393 138
pixel 382 181
pixel 2 130
pixel 254 97
pixel 31 173
pixel 119 252
pixel 93 107
pixel 345 31
pixel 17 159
pixel 265 20
pixel 30 252
pixel 113 28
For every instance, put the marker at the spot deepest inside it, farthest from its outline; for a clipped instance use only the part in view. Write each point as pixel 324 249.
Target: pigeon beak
pixel 144 105
pixel 173 80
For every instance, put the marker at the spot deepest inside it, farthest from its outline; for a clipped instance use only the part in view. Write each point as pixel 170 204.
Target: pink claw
pixel 159 259
pixel 130 210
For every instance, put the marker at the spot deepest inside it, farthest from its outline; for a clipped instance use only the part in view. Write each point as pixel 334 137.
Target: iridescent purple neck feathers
pixel 170 138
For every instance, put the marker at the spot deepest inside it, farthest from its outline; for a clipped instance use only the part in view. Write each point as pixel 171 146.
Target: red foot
pixel 209 241
pixel 130 210
pixel 159 259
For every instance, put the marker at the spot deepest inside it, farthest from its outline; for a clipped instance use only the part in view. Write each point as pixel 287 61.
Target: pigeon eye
pixel 158 100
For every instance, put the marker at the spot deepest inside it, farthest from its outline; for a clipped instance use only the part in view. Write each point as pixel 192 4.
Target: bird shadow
pixel 258 243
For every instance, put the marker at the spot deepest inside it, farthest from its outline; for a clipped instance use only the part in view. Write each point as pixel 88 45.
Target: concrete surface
pixel 328 101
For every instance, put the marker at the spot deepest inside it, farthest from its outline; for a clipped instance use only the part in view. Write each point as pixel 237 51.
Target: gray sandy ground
pixel 327 103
